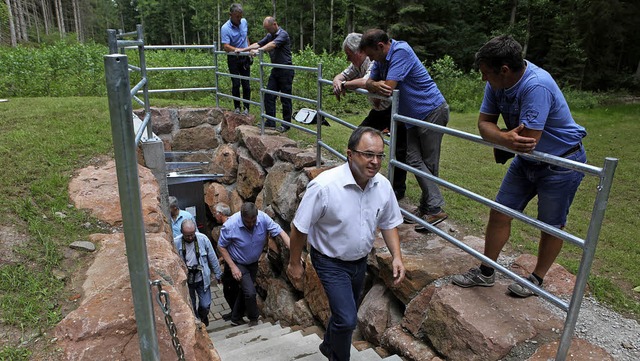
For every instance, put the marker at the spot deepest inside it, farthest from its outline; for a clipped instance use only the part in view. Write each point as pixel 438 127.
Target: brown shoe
pixel 416 212
pixel 432 219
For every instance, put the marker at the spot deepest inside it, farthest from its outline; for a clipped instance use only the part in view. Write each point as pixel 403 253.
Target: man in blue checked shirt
pixel 242 239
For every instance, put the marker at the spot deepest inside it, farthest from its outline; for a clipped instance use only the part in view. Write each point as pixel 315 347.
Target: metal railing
pixel 588 245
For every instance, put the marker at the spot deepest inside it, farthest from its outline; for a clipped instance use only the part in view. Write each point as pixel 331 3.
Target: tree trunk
pixel 273 5
pixel 313 37
pixel 76 19
pixel 60 17
pixel 638 71
pixel 12 26
pixel 301 32
pixel 184 31
pixel 44 4
pixel 21 21
pixel 349 18
pixel 512 21
pixel 331 29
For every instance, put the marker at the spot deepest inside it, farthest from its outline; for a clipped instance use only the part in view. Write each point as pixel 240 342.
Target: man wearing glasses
pixel 339 215
pixel 396 66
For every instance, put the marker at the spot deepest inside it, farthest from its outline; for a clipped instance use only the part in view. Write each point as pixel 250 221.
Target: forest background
pixel 585 44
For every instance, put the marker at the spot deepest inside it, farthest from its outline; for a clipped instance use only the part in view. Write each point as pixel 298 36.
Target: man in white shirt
pixel 339 215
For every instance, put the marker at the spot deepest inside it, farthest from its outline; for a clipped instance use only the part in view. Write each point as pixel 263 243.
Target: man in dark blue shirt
pixel 278 44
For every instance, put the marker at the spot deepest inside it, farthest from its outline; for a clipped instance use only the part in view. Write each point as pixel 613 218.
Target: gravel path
pixel 618 335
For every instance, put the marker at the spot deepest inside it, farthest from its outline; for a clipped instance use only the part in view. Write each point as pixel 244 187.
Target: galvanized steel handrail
pixel 588 244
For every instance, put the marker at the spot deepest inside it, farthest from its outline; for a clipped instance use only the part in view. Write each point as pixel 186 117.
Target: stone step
pixel 297 349
pixel 393 358
pixel 368 354
pixel 224 329
pixel 252 336
pixel 280 348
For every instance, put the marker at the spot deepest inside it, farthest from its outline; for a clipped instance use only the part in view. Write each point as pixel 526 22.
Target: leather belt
pixel 573 149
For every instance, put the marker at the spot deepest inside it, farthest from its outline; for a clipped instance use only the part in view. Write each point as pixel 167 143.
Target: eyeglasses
pixel 369 155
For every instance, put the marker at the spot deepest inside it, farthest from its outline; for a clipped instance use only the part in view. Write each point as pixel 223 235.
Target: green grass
pixel 46 139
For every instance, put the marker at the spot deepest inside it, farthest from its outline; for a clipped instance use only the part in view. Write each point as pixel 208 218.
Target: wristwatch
pixel 343 84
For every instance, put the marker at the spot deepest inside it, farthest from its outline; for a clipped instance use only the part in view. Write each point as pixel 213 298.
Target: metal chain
pixel 165 306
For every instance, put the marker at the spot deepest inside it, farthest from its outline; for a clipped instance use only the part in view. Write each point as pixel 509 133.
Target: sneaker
pixel 474 277
pixel 282 129
pixel 522 291
pixel 245 111
pixel 237 111
pixel 432 219
pixel 226 316
pixel 253 323
pixel 416 212
pixel 238 322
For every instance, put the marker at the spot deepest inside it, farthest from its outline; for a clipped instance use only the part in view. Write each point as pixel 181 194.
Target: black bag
pixel 502 156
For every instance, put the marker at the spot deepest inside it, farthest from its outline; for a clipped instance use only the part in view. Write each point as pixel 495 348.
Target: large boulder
pixel 250 177
pixel 282 189
pixel 225 162
pixel 193 117
pixel 230 123
pixel 104 326
pixel 263 147
pixel 96 188
pixel 483 323
pixel 378 311
pixel 282 304
pixel 193 139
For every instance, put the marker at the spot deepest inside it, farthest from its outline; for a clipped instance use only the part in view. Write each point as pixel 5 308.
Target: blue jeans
pixel 280 80
pixel 555 187
pixel 204 300
pixel 342 282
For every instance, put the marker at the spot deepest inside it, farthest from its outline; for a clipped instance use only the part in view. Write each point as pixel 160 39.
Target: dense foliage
pixel 66 69
pixel 585 44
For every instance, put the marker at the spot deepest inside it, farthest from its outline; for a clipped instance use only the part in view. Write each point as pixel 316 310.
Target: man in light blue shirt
pixel 234 36
pixel 242 240
pixel 177 216
pixel 198 254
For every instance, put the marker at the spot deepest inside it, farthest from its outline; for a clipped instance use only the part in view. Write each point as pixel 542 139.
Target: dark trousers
pixel 280 80
pixel 381 120
pixel 231 289
pixel 342 282
pixel 239 65
pixel 246 298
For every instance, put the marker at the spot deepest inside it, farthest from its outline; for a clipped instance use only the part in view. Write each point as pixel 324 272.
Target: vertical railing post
pixel 215 64
pixel 591 241
pixel 319 118
pixel 112 40
pixel 261 92
pixel 395 96
pixel 120 110
pixel 143 75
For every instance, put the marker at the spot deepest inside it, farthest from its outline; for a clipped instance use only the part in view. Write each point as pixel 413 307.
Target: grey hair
pixel 352 42
pixel 235 8
pixel 188 222
pixel 173 202
pixel 223 208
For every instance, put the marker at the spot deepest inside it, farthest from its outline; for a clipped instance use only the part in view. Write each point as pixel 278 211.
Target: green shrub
pixel 463 92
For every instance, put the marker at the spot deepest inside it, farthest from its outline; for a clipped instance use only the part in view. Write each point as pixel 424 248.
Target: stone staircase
pixel 272 342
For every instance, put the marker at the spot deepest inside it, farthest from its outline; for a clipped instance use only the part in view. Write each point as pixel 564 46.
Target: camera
pixel 192 273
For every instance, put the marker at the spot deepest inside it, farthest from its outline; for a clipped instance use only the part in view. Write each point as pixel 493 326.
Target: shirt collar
pixel 348 179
